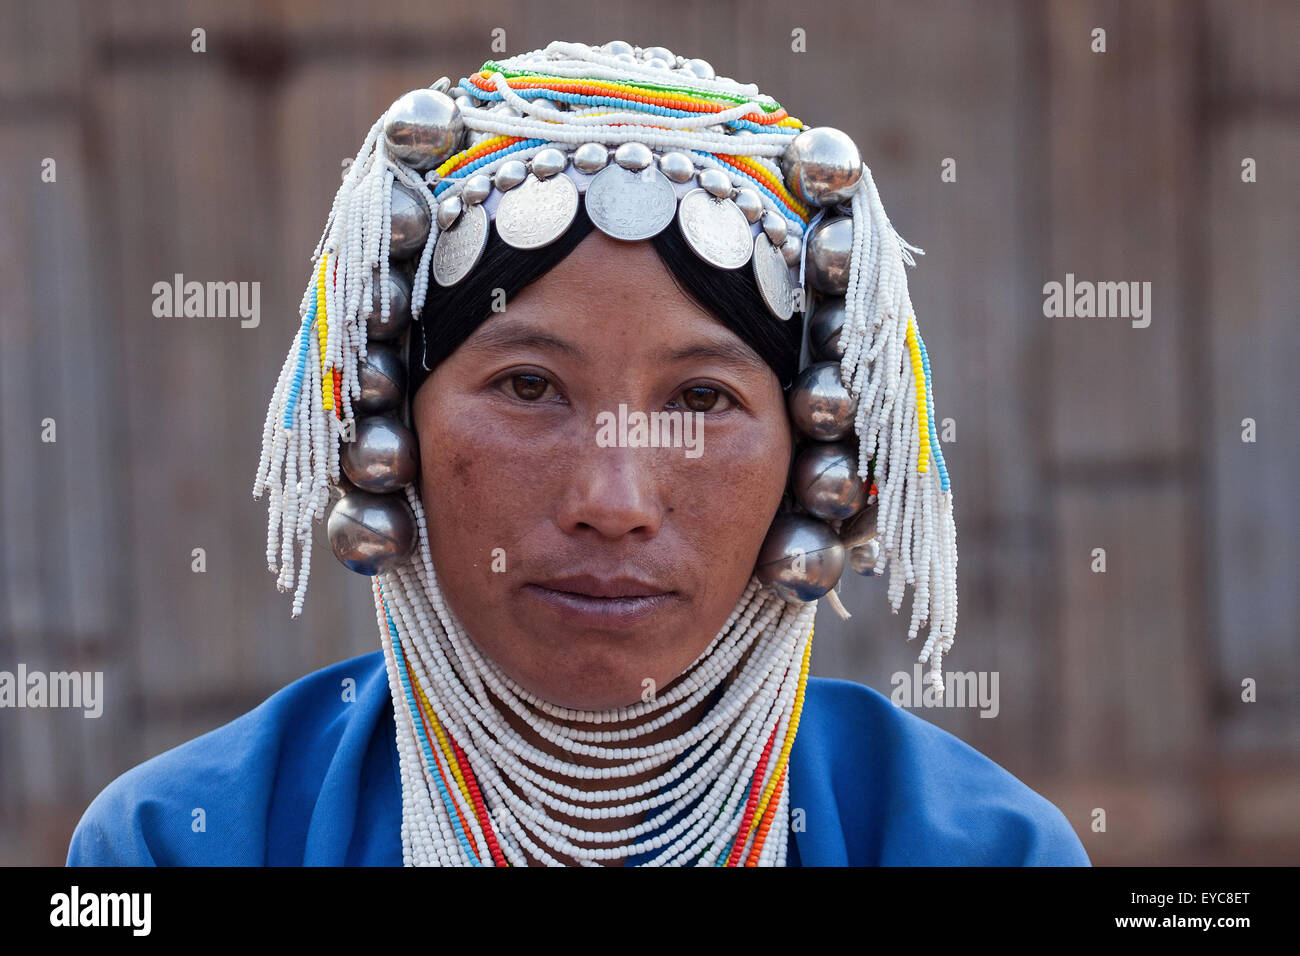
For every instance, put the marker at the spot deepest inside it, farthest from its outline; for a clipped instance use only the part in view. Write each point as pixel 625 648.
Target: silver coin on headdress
pixel 459 248
pixel 773 277
pixel 715 229
pixel 631 204
pixel 537 211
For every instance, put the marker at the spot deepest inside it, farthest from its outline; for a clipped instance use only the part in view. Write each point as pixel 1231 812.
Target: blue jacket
pixel 310 778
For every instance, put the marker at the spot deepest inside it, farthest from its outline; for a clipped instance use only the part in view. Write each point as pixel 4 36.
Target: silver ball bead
pixel 791 249
pixel 715 182
pixel 658 52
pixel 449 211
pixel 590 157
pixel 822 166
pixel 510 174
pixel 410 223
pixel 422 128
pixel 399 308
pixel 615 47
pixel 633 156
pixel 370 532
pixel 830 252
pixel 750 203
pixel 701 68
pixel 820 405
pixel 864 558
pixel 801 559
pixel 776 227
pixel 677 166
pixel 476 189
pixel 826 482
pixel 861 528
pixel 382 377
pixel 824 329
pixel 547 162
pixel 383 455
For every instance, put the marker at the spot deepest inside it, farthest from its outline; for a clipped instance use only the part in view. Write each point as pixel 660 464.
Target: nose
pixel 612 492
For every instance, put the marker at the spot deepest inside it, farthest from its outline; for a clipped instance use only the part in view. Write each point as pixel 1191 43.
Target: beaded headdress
pixel 644 140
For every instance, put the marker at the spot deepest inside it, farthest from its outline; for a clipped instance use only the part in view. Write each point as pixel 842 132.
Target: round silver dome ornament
pixel 449 210
pixel 861 528
pixel 630 199
pixel 590 158
pixel 537 211
pixel 547 162
pixel 791 249
pixel 830 252
pixel 422 128
pixel 715 229
pixel 822 166
pixel 459 248
pixel 824 329
pixel 772 276
pixel 382 457
pixel 382 377
pixel 510 174
pixel 371 532
pixel 801 558
pixel 410 223
pixel 476 189
pixel 750 203
pixel 399 307
pixel 677 166
pixel 776 226
pixel 826 483
pixel 864 558
pixel 820 406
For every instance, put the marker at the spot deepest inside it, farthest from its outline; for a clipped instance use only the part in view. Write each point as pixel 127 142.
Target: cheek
pixel 735 489
pixel 476 477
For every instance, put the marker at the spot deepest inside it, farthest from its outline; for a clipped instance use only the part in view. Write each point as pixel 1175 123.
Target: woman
pixel 596 552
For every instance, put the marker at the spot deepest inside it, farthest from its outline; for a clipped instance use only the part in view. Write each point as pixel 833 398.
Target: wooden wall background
pixel 1118 690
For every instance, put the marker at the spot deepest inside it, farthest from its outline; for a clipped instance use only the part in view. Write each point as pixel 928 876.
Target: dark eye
pixel 528 387
pixel 703 398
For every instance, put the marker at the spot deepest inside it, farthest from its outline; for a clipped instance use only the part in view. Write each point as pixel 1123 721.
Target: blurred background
pixel 1119 690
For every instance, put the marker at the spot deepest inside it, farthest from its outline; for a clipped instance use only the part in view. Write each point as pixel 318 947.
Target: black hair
pixel 451 314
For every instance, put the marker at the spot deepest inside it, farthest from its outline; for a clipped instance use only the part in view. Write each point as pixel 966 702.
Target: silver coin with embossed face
pixel 537 211
pixel 631 204
pixel 458 249
pixel 773 277
pixel 716 229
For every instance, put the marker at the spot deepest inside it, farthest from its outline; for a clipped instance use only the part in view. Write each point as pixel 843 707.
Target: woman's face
pixel 587 566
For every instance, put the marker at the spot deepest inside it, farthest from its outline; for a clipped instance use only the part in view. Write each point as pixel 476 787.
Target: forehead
pixel 612 292
pixel 603 268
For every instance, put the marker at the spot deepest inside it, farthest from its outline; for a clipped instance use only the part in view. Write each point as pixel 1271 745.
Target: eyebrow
pixel 501 338
pixel 735 354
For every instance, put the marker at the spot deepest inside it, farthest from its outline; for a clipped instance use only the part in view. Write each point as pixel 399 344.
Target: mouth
pixel 600 603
